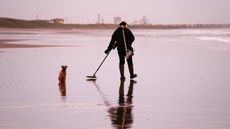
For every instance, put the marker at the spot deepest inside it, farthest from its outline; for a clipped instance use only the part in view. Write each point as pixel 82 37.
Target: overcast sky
pixel 85 11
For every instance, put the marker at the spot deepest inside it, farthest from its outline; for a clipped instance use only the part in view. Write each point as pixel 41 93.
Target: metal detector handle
pixel 101 63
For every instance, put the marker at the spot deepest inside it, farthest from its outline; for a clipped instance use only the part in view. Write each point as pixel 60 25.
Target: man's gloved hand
pixel 107 51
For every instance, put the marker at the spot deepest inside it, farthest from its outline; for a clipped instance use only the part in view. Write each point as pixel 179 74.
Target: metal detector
pixel 93 77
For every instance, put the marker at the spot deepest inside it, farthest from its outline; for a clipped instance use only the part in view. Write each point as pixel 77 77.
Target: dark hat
pixel 123 23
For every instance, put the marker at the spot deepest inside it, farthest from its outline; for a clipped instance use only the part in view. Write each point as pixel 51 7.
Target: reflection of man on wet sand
pixel 121 116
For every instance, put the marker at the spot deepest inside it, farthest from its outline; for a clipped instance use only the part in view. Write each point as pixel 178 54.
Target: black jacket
pixel 118 41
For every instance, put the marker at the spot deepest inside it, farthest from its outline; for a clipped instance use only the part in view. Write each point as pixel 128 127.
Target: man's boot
pixel 132 75
pixel 121 67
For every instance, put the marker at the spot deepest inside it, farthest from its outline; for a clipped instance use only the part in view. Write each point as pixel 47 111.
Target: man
pixel 121 36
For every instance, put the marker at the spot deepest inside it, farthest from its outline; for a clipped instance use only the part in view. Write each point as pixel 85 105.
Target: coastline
pixel 112 26
pixel 36 24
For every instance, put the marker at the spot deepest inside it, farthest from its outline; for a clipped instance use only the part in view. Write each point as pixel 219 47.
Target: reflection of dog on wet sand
pixel 62 88
pixel 62 74
pixel 62 80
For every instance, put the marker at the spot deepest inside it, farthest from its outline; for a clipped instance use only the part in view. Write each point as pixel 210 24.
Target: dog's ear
pixel 64 66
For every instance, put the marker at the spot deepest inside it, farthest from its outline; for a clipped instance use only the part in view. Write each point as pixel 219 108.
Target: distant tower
pixel 100 20
pixel 67 20
pixel 37 17
pixel 117 20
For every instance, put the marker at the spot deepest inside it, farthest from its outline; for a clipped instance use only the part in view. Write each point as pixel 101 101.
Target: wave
pixel 220 35
pixel 219 39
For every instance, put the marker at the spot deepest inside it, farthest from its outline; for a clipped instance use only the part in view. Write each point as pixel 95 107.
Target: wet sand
pixel 182 83
pixel 6 43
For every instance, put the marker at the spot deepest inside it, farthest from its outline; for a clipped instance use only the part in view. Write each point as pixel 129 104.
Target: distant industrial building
pixel 117 20
pixel 142 21
pixel 57 21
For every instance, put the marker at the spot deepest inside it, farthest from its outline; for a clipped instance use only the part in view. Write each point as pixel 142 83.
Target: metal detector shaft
pixel 101 63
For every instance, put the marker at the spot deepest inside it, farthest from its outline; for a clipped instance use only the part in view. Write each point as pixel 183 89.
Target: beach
pixel 183 80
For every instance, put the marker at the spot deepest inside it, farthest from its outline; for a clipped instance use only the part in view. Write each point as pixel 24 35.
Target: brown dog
pixel 62 74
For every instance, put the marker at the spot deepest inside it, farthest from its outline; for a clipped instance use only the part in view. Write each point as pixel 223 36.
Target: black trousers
pixel 122 59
